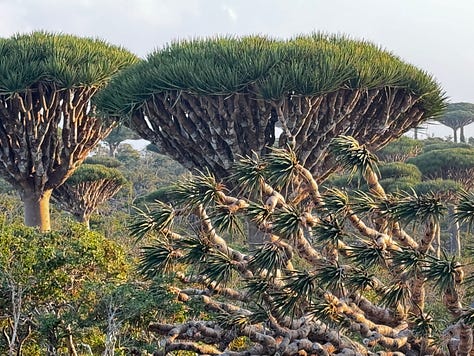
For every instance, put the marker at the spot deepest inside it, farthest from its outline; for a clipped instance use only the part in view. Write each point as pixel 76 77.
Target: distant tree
pixel 47 123
pixel 127 155
pixel 205 102
pixel 458 116
pixel 147 170
pixel 117 136
pixel 90 186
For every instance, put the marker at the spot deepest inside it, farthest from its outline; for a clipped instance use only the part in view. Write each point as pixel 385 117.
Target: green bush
pixel 399 170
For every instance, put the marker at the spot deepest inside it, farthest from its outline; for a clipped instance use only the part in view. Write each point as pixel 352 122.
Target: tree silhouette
pixel 456 117
pixel 47 123
pixel 117 136
pixel 205 102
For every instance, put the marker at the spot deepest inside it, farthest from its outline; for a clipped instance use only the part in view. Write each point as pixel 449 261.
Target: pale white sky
pixel 435 35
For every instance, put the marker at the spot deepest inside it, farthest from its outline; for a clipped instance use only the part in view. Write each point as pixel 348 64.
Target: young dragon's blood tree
pixel 337 274
pixel 47 123
pixel 90 186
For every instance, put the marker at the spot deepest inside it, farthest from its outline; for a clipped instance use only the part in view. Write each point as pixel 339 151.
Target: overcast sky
pixel 435 35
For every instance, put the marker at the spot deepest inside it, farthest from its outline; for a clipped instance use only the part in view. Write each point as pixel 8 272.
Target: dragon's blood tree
pixel 89 186
pixel 336 275
pixel 204 102
pixel 47 122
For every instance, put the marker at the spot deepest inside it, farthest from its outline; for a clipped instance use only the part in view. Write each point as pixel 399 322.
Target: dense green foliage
pixel 438 163
pixel 305 65
pixel 400 150
pixel 65 61
pixel 95 172
pixel 44 281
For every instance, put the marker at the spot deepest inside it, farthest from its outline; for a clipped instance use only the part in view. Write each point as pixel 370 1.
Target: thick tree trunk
pixel 86 223
pixel 462 137
pixel 37 209
pixel 113 147
pixel 455 135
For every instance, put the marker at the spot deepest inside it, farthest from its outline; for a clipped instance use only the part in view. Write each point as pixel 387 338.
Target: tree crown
pixel 66 61
pixel 458 115
pixel 94 172
pixel 270 68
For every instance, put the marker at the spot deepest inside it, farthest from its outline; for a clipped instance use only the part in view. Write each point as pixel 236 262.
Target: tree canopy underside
pixel 211 131
pixel 45 134
pixel 205 101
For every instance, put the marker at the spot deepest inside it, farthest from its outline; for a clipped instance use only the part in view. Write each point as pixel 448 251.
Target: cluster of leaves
pixel 305 65
pixel 63 60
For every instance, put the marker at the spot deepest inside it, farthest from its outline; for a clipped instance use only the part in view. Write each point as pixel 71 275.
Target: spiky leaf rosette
pixel 217 267
pixel 368 255
pixel 226 95
pixel 328 312
pixel 226 220
pixel 443 272
pixel 465 209
pixel 408 260
pixel 287 221
pixel 329 230
pixel 159 218
pixel 397 294
pixel 158 259
pixel 424 325
pixel 352 156
pixel 332 278
pixel 336 202
pixel 300 288
pixel 199 189
pixel 249 173
pixel 268 260
pixel 281 167
pixel 411 207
